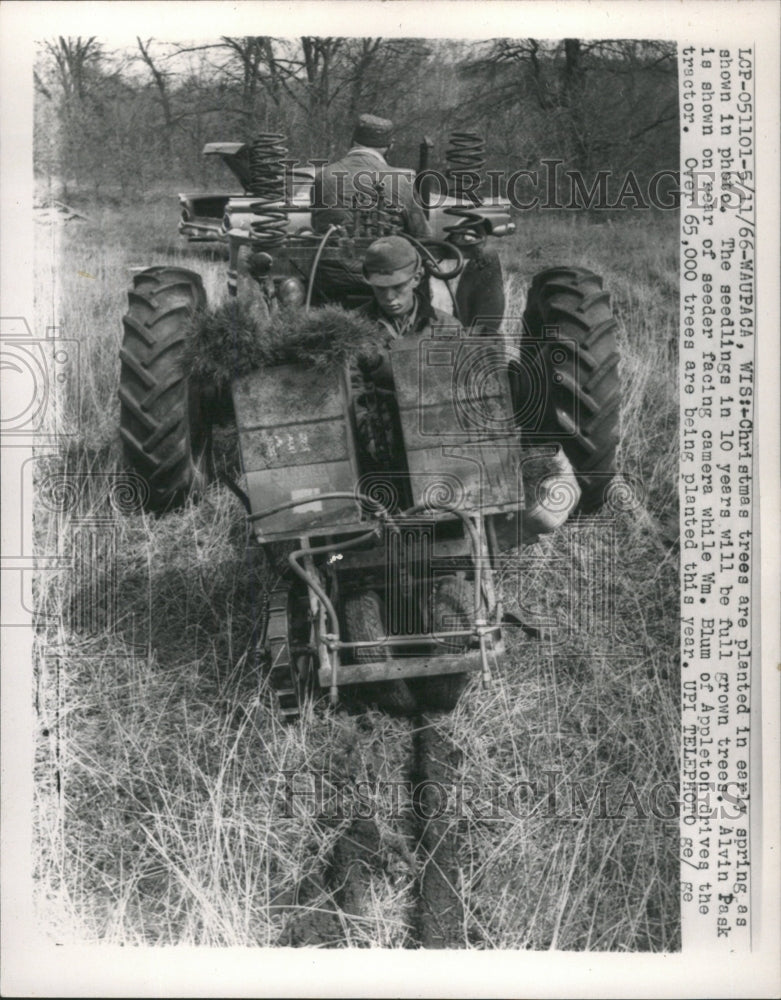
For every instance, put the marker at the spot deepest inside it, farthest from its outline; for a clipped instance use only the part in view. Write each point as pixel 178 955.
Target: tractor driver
pixel 394 270
pixel 351 181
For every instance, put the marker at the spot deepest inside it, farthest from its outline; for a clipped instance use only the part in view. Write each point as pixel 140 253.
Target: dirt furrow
pixel 423 839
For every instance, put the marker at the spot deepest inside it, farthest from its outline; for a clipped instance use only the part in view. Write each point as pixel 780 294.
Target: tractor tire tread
pixel 569 309
pixel 157 426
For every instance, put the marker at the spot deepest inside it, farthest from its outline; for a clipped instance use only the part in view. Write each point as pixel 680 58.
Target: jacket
pixel 337 184
pixel 424 319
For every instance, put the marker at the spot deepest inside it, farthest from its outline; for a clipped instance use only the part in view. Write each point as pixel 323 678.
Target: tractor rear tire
pixel 364 622
pixel 163 431
pixel 454 604
pixel 568 315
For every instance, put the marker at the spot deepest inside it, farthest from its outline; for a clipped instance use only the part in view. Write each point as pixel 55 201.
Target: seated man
pixel 340 185
pixel 354 181
pixel 393 269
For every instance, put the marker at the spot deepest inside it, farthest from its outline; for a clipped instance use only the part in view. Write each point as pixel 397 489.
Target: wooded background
pixel 117 124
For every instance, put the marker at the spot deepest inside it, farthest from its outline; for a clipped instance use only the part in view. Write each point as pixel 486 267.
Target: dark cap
pixel 372 131
pixel 389 261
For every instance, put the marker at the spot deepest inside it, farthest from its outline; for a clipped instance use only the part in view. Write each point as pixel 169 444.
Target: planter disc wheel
pixel 163 431
pixel 570 326
pixel 454 607
pixel 364 622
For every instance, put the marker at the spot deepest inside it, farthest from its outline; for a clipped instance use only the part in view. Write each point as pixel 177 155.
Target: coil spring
pixel 267 181
pixel 465 159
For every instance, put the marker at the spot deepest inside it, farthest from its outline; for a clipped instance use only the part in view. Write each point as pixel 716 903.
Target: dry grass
pixel 159 812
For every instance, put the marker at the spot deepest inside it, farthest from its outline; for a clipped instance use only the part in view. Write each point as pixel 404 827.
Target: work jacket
pixel 340 185
pixel 424 319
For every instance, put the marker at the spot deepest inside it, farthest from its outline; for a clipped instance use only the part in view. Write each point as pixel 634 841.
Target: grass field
pixel 161 813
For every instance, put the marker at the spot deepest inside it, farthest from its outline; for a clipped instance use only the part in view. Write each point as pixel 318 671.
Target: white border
pixel 31 968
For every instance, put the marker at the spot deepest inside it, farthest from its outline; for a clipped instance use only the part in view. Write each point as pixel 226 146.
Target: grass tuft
pixel 230 340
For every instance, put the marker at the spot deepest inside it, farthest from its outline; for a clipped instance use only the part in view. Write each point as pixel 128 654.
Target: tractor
pixel 387 547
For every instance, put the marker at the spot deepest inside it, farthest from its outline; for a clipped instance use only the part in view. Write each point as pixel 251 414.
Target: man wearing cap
pixel 393 269
pixel 352 182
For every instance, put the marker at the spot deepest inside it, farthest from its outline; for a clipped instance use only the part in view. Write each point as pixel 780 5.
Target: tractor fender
pixel 478 292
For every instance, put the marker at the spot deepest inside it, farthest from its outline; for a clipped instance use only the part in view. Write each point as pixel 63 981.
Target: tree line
pixel 119 123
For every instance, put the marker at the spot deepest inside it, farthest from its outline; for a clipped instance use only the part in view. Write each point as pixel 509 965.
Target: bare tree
pixel 160 79
pixel 73 58
pixel 593 99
